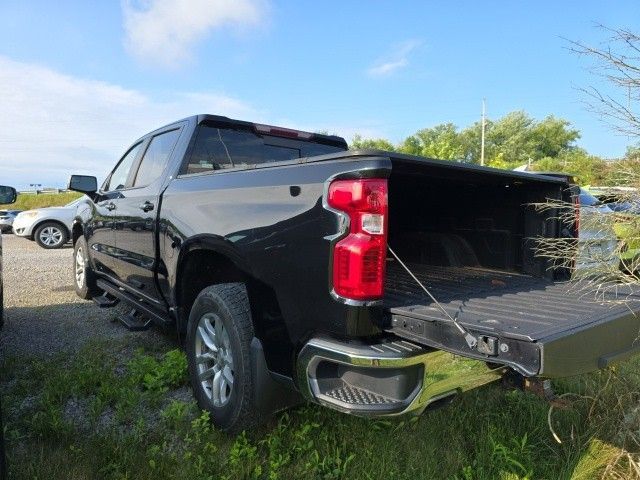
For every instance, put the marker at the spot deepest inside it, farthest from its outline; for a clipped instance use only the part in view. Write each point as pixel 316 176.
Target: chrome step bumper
pixel 391 377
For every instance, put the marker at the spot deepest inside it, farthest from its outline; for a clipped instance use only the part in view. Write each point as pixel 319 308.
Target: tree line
pixel 512 141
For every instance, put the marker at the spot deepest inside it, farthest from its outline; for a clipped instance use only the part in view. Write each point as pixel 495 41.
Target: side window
pixel 219 148
pixel 119 176
pixel 156 157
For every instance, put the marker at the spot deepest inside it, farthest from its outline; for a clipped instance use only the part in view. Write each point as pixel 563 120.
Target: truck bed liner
pixel 509 305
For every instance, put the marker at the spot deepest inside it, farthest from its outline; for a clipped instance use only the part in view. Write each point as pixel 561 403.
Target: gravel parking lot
pixel 43 315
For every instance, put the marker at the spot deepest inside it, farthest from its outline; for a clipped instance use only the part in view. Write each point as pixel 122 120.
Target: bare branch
pixel 619 64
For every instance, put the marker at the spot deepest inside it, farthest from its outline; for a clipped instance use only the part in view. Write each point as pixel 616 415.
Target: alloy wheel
pixel 80 268
pixel 51 236
pixel 214 359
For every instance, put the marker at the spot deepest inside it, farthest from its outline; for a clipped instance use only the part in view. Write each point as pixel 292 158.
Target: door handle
pixel 146 206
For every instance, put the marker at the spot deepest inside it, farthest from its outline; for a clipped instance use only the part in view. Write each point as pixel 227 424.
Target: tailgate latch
pixel 487 345
pixel 468 337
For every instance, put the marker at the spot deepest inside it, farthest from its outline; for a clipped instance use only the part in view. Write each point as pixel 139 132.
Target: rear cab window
pixel 156 157
pixel 220 148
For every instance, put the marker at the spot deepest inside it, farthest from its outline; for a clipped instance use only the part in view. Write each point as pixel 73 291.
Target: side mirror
pixel 7 194
pixel 83 184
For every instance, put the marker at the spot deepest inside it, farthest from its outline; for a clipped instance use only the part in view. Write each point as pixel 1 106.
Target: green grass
pixel 27 201
pixel 135 420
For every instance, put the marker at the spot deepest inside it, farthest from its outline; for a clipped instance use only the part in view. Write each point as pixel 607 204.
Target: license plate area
pixel 521 355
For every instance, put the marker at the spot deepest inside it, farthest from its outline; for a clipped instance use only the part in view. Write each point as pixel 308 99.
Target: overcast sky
pixel 80 81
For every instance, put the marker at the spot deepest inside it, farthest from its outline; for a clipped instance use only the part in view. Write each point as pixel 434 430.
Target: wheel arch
pixel 39 223
pixel 207 261
pixel 76 231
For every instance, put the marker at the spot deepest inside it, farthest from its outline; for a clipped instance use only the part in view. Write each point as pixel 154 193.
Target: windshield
pixel 588 200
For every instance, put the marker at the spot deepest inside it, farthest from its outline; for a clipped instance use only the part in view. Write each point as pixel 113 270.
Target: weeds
pixel 112 413
pixel 159 375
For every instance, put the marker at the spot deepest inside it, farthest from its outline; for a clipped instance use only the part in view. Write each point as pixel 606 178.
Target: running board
pixel 106 301
pixel 134 321
pixel 157 317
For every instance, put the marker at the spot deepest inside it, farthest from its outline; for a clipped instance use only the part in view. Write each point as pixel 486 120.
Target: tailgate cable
pixel 470 339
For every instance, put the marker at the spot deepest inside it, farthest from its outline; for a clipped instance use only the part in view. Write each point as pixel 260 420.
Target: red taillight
pixel 359 258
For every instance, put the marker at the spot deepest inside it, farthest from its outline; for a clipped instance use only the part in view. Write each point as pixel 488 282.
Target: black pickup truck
pixel 371 282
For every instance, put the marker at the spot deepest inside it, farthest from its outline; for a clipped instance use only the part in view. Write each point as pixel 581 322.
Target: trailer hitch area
pixel 513 380
pixel 540 387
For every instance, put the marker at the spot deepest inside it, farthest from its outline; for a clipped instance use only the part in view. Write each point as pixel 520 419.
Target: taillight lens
pixel 359 258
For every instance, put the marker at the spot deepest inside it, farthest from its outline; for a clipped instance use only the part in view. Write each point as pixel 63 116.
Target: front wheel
pixel 83 275
pixel 51 235
pixel 219 337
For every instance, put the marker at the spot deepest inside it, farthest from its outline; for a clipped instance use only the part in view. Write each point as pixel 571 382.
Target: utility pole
pixel 482 136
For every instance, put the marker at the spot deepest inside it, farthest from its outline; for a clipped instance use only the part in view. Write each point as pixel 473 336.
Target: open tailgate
pixel 536 326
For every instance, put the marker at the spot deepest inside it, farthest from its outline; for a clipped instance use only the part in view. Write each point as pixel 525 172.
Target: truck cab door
pixel 99 230
pixel 135 218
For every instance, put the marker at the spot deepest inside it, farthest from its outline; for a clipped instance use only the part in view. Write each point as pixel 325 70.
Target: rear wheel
pixel 1 308
pixel 219 336
pixel 51 235
pixel 84 278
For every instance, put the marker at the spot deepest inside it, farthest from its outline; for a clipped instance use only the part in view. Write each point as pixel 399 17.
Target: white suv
pixel 50 227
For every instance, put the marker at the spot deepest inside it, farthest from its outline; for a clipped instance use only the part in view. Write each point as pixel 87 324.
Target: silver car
pixel 598 252
pixel 6 219
pixel 597 241
pixel 50 227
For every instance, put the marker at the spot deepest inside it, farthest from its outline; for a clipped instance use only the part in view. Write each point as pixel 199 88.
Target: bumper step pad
pixel 358 396
pixel 390 377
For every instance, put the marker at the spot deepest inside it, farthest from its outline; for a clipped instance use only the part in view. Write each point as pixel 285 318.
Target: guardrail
pixel 44 190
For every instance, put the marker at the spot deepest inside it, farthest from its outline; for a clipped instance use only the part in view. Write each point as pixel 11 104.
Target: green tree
pixel 517 138
pixel 588 169
pixel 510 141
pixel 442 141
pixel 552 136
pixel 359 143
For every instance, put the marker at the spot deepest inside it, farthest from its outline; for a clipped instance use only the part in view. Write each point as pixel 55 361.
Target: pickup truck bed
pixel 514 308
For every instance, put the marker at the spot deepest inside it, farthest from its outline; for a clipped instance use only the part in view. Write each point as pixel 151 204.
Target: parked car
pixel 50 227
pixel 625 203
pixel 597 252
pixel 6 220
pixel 597 239
pixel 371 282
pixel 7 195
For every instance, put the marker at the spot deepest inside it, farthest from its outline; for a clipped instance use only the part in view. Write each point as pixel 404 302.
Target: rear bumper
pixel 388 378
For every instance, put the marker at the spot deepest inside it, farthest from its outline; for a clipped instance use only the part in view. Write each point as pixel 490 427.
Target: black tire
pixel 229 304
pixel 1 308
pixel 86 287
pixel 51 235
